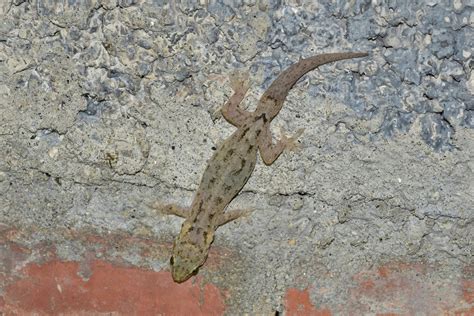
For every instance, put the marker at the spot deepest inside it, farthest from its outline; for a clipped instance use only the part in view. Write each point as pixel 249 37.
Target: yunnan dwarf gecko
pixel 232 164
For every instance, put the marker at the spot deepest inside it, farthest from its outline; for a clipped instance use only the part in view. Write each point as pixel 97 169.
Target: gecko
pixel 232 164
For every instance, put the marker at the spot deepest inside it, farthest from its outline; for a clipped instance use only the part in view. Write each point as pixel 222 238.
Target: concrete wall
pixel 108 106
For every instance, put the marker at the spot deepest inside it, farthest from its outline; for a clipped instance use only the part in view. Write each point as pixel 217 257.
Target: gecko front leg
pixel 232 215
pixel 269 151
pixel 231 110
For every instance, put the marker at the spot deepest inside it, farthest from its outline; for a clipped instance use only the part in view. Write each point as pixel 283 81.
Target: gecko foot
pixel 232 215
pixel 291 143
pixel 239 83
pixel 170 209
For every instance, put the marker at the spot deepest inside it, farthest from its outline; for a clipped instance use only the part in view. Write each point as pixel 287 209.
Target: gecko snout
pixel 186 260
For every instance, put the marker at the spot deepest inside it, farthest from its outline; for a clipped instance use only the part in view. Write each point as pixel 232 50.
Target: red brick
pixel 402 288
pixel 56 287
pixel 298 303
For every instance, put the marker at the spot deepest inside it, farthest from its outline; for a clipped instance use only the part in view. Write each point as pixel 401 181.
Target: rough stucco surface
pixel 108 106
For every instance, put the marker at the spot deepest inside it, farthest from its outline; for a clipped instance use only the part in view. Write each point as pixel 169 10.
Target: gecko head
pixel 186 261
pixel 187 258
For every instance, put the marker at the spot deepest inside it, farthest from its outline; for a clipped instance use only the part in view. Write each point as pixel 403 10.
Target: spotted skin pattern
pixel 232 164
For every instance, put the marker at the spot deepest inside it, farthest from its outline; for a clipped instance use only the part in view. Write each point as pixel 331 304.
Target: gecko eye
pixel 172 260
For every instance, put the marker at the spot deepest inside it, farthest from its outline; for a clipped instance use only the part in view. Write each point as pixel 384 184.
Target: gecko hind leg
pixel 231 110
pixel 232 215
pixel 171 209
pixel 291 143
pixel 269 151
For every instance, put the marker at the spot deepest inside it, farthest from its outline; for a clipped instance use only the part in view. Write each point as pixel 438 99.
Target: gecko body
pixel 232 164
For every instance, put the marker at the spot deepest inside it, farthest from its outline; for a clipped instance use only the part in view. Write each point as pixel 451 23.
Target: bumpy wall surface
pixel 108 106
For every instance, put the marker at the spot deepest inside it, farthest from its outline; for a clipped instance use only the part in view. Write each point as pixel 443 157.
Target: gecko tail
pixel 279 88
